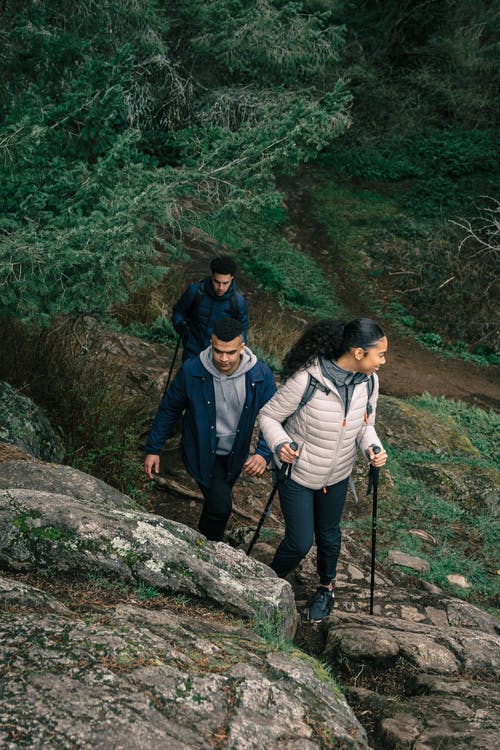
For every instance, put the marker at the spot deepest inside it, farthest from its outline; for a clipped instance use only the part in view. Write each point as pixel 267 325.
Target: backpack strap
pixel 233 302
pixel 198 295
pixel 370 385
pixel 313 385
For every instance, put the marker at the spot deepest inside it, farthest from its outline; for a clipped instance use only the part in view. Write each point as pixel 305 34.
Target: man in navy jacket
pixel 195 312
pixel 220 392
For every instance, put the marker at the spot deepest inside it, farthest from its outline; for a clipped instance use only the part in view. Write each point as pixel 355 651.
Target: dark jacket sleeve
pixel 180 311
pixel 170 409
pixel 268 391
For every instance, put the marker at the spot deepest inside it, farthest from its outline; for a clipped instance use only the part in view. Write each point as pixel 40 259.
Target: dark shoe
pixel 321 604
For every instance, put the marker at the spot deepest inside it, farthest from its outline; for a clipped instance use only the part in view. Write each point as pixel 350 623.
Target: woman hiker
pixel 326 406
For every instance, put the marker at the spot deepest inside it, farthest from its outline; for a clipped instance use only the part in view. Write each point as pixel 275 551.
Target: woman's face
pixel 371 359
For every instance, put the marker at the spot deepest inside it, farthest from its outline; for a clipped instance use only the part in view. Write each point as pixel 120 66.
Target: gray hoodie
pixel 230 393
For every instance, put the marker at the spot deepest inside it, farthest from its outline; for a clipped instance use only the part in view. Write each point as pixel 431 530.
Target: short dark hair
pixel 227 329
pixel 223 264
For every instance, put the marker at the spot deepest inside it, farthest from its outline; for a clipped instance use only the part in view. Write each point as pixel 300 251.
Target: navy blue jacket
pixel 193 390
pixel 194 318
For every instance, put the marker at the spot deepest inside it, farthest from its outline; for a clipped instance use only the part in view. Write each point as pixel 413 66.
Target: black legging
pixel 308 514
pixel 218 502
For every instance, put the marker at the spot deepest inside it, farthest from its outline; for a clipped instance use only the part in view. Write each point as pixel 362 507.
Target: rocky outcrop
pixel 61 480
pixel 422 670
pixel 418 430
pixel 419 673
pixel 63 535
pixel 132 678
pixel 17 595
pixel 23 424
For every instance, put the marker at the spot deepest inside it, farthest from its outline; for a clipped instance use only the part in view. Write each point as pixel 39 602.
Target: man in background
pixel 203 303
pixel 220 392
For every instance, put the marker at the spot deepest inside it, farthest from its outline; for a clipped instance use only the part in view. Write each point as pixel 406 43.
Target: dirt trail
pixel 410 369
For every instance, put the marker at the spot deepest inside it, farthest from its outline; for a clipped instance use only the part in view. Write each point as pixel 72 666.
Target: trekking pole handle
pixel 284 466
pixel 373 473
pixel 376 449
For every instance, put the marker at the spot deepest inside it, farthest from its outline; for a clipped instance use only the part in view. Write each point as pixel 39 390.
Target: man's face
pixel 227 355
pixel 221 283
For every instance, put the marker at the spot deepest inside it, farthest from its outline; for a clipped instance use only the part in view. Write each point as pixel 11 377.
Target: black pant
pixel 308 514
pixel 218 502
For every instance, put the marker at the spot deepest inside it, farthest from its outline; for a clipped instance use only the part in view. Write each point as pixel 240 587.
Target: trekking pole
pixel 281 475
pixel 172 365
pixel 373 485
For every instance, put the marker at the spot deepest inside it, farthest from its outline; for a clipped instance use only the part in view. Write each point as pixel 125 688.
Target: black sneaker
pixel 321 604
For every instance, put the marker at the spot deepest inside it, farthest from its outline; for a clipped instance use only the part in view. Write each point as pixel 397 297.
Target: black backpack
pixel 233 301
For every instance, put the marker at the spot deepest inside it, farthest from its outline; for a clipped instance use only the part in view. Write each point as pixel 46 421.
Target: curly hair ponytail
pixel 330 339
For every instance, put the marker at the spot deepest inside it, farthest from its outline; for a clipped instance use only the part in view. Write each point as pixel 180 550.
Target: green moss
pixel 53 534
pixel 24 521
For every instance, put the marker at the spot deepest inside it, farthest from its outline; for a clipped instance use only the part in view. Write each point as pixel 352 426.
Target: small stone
pixel 355 573
pixel 424 535
pixel 458 580
pixel 395 557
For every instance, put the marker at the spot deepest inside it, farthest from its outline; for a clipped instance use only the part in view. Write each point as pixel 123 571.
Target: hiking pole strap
pixel 282 472
pixel 285 469
pixel 353 489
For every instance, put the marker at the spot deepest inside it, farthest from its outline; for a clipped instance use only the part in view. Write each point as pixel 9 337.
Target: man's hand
pixel 152 465
pixel 255 465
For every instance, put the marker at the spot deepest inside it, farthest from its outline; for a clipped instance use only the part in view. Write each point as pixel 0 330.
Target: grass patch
pixel 145 593
pixel 448 560
pixel 391 212
pixel 272 260
pixel 292 276
pixel 459 517
pixel 482 428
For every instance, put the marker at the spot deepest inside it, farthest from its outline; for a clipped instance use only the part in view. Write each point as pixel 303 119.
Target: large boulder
pixel 475 490
pixel 70 535
pixel 61 480
pixel 25 425
pixel 402 424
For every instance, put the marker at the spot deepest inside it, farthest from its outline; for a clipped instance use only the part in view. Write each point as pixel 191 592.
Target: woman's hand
pixel 377 459
pixel 287 455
